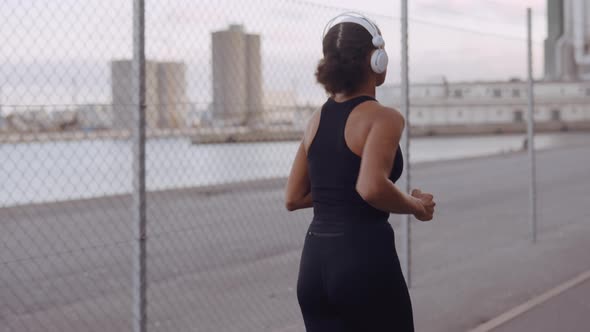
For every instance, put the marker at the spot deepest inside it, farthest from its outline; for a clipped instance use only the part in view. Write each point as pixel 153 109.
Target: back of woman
pixel 334 166
pixel 346 166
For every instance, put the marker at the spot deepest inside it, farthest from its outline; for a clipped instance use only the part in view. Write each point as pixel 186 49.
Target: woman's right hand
pixel 424 205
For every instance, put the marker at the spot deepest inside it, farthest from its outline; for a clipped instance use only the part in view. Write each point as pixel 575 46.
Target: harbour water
pixel 66 170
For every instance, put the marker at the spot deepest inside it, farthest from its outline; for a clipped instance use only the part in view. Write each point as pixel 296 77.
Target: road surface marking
pixel 521 309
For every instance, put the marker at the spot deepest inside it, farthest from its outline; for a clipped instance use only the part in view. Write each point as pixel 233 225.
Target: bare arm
pixel 378 154
pixel 298 191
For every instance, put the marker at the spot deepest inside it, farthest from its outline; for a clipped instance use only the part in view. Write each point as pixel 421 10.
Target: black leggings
pixel 350 280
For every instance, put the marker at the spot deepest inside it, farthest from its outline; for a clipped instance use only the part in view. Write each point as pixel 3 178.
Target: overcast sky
pixel 435 46
pixel 58 51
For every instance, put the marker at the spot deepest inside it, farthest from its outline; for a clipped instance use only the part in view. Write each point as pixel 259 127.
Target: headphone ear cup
pixel 378 41
pixel 379 61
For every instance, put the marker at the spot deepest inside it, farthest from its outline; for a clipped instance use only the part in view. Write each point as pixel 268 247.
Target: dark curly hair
pixel 345 65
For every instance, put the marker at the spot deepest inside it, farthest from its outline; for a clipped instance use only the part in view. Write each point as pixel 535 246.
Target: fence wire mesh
pixel 229 88
pixel 248 72
pixel 65 234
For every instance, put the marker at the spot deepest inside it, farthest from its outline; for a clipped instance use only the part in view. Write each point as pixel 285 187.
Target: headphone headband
pixel 357 18
pixel 379 58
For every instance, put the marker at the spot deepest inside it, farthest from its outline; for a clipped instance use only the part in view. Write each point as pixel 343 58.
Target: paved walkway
pixel 566 312
pixel 227 260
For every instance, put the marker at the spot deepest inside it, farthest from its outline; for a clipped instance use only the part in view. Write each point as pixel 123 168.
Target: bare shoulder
pixel 393 116
pixel 396 114
pixel 311 128
pixel 385 116
pixel 314 118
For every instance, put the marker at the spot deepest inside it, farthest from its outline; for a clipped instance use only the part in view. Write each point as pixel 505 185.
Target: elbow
pixel 369 192
pixel 290 204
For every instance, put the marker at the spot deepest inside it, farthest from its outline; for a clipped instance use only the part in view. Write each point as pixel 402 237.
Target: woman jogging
pixel 345 168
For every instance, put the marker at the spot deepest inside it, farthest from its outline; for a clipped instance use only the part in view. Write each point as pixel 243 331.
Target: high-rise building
pixel 122 94
pixel 172 95
pixel 237 76
pixel 567 47
pixel 166 99
pixel 254 91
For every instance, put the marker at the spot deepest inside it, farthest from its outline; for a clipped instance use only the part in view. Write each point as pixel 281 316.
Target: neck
pixel 367 89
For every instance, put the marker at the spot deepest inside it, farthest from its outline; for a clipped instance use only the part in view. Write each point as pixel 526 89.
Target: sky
pixel 481 32
pixel 57 52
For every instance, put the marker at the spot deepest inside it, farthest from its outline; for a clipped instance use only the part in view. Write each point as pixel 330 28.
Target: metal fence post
pixel 405 143
pixel 139 194
pixel 531 129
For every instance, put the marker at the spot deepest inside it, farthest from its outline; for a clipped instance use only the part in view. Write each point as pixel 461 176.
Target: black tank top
pixel 334 169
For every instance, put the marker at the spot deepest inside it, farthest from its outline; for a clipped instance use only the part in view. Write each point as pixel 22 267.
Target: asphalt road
pixel 227 259
pixel 566 312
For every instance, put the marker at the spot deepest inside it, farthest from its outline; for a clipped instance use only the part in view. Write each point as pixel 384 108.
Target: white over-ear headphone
pixel 379 58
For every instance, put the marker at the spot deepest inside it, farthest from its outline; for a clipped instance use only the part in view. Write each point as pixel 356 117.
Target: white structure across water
pixel 444 103
pixel 562 97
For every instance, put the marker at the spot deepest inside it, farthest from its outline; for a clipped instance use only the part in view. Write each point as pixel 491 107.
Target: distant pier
pixel 242 135
pixel 280 133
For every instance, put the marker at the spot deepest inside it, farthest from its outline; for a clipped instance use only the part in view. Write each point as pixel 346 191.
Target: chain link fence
pixel 65 231
pixel 229 86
